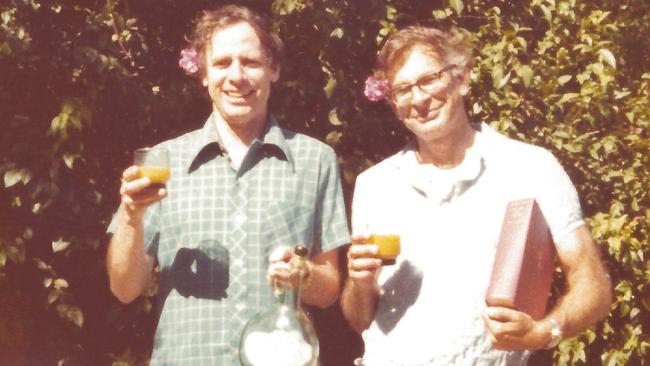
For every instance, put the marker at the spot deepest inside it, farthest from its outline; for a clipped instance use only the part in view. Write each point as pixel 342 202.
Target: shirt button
pixel 239 263
pixel 240 306
pixel 240 218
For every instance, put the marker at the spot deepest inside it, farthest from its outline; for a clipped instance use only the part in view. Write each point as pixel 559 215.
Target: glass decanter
pixel 282 335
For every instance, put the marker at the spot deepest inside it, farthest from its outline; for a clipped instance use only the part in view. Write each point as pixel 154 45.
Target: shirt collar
pixel 460 178
pixel 209 144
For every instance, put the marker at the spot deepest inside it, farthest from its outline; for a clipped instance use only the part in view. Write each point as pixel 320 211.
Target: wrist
pixel 131 215
pixel 554 334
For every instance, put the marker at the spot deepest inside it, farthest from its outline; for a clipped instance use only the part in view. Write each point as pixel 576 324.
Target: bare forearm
pixel 587 301
pixel 589 293
pixel 128 265
pixel 323 285
pixel 359 305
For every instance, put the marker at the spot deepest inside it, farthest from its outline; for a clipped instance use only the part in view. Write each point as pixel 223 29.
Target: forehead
pixel 236 38
pixel 414 64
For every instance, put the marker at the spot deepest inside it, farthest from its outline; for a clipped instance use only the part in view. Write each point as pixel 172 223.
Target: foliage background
pixel 84 82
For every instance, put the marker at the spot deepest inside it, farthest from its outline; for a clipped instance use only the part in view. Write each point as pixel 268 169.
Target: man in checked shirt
pixel 243 192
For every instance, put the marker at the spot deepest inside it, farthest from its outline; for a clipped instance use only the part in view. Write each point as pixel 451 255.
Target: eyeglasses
pixel 430 84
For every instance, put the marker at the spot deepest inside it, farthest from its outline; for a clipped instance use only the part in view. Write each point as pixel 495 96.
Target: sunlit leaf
pixel 457 5
pixel 60 245
pixel 14 176
pixel 607 56
pixel 334 118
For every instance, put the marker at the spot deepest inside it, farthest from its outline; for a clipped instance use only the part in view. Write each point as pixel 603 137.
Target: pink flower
pixel 376 89
pixel 189 61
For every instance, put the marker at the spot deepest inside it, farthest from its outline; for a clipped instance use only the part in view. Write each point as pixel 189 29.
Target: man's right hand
pixel 137 193
pixel 363 263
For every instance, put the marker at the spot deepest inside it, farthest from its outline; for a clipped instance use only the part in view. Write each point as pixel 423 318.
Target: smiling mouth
pixel 432 114
pixel 238 95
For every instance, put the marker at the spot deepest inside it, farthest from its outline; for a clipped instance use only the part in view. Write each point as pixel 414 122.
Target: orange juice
pixel 388 247
pixel 157 175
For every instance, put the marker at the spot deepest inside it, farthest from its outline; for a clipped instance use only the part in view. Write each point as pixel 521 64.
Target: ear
pixel 275 73
pixel 463 81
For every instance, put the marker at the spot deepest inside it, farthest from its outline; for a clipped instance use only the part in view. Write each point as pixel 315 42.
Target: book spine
pixel 502 290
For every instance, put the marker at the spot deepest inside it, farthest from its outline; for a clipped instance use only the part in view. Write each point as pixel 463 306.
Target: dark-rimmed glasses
pixel 430 84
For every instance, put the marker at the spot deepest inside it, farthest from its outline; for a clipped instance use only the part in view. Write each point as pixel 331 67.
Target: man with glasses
pixel 445 194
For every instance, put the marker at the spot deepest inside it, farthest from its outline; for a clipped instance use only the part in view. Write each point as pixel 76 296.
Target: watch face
pixel 556 335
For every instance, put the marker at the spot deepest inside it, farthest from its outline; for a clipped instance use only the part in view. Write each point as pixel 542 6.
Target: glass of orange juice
pixel 153 163
pixel 388 247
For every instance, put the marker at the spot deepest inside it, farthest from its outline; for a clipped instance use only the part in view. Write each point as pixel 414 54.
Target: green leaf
pixel 14 176
pixel 526 74
pixel 337 33
pixel 60 283
pixel 567 97
pixel 330 87
pixel 334 118
pixel 457 5
pixel 606 55
pixel 69 159
pixel 76 316
pixel 60 245
pixel 564 79
pixel 333 138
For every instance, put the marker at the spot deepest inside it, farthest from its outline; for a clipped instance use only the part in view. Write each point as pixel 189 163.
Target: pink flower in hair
pixel 189 61
pixel 376 89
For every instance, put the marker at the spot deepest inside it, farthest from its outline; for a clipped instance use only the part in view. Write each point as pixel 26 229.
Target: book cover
pixel 525 260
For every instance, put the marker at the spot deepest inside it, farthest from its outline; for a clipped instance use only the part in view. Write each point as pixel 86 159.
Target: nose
pixel 235 71
pixel 418 98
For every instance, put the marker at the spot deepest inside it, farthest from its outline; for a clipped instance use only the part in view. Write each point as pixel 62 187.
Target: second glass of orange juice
pixel 388 247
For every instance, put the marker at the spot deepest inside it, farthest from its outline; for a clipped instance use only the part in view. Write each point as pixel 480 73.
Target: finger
pixel 281 254
pixel 362 251
pixel 501 314
pixel 145 195
pixel 359 239
pixel 130 173
pixel 364 264
pixel 363 276
pixel 516 326
pixel 279 266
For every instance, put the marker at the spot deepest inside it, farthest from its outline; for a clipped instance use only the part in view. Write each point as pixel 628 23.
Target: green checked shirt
pixel 213 233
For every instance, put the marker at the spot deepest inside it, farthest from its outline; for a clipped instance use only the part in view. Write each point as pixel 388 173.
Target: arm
pixel 324 271
pixel 128 265
pixel 321 286
pixel 586 300
pixel 361 291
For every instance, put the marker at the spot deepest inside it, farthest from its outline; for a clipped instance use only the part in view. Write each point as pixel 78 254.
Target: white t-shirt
pixel 432 300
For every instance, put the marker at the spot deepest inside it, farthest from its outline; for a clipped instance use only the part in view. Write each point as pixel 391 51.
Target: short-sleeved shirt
pixel 213 233
pixel 432 300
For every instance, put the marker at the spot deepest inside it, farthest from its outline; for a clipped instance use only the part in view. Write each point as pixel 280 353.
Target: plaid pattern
pixel 213 233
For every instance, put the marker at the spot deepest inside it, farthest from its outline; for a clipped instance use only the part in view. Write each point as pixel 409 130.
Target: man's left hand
pixel 513 330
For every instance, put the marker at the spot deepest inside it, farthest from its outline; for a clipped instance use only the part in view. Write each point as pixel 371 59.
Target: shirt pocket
pixel 287 223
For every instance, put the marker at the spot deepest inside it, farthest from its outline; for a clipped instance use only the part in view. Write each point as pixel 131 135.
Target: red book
pixel 525 260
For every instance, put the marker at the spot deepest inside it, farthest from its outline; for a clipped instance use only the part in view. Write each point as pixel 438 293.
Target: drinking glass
pixel 153 163
pixel 388 247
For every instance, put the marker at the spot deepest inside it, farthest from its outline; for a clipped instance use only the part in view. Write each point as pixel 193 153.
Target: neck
pixel 242 135
pixel 448 151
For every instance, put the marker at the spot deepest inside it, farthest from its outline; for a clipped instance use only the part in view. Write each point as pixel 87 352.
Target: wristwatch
pixel 556 334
